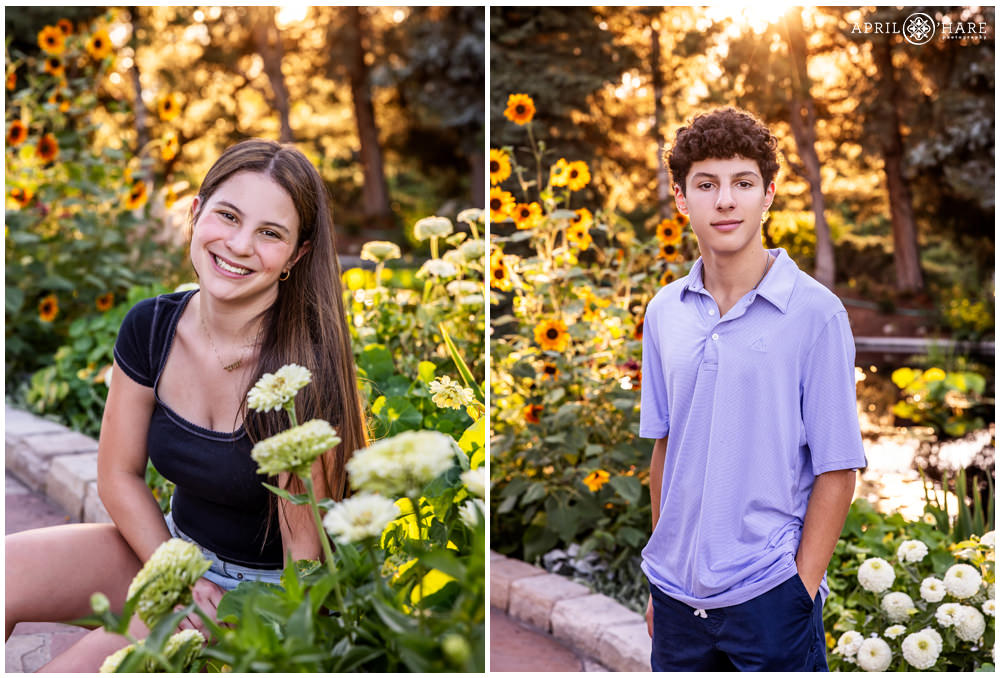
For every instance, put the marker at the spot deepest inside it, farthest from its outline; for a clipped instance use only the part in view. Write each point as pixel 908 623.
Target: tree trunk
pixel 267 44
pixel 905 251
pixel 375 194
pixel 802 117
pixel 662 175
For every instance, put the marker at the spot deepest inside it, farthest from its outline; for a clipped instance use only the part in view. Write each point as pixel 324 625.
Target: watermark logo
pixel 919 29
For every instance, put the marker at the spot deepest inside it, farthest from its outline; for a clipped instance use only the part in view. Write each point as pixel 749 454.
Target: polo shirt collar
pixel 776 287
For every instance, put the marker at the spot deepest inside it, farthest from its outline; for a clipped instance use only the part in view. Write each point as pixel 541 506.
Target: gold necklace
pixel 231 366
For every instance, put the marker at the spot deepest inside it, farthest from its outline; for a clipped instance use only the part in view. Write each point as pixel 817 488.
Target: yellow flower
pixel 58 98
pixel 526 215
pixel 935 374
pixel 499 275
pixel 531 412
pixel 22 196
pixel 559 173
pixel 136 195
pixel 48 148
pixel 170 146
pixel 16 133
pixel 549 370
pixel 670 252
pixel 551 335
pixel 681 220
pixel 12 80
pixel 99 45
pixel 668 232
pixel 170 197
pixel 52 40
pixel 499 166
pixel 578 235
pixel 667 277
pixel 169 107
pixel 905 376
pixel 48 308
pixel 520 109
pixel 596 480
pixel 501 203
pixel 66 26
pixel 583 217
pixel 105 302
pixel 54 66
pixel 577 175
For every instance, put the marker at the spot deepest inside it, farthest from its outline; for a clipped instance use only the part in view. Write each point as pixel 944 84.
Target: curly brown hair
pixel 723 133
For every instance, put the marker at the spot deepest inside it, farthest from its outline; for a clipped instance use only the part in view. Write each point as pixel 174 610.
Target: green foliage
pixel 850 607
pixel 949 402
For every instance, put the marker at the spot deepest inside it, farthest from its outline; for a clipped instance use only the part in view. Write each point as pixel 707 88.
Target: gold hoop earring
pixel 284 275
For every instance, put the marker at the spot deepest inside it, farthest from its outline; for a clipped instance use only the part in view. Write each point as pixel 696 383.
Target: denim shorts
pixel 225 574
pixel 779 630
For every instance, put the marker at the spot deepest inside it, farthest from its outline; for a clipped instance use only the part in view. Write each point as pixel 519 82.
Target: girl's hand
pixel 207 595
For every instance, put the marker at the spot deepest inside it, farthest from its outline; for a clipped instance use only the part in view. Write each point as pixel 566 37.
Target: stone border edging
pixel 593 624
pixel 51 459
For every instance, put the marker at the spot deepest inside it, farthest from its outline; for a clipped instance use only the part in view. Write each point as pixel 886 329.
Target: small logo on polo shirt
pixel 759 345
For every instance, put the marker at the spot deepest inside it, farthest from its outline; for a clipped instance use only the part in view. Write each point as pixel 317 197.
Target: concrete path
pixel 32 645
pixel 517 646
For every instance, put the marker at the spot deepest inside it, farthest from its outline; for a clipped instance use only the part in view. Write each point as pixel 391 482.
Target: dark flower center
pixel 499 272
pixel 494 166
pixel 519 109
pixel 573 174
pixel 98 43
pixel 496 203
pixel 552 334
pixel 550 369
pixel 669 249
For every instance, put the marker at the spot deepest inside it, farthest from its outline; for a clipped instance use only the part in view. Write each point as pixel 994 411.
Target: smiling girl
pixel 269 295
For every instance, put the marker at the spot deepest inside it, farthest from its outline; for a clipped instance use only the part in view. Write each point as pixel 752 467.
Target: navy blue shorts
pixel 781 630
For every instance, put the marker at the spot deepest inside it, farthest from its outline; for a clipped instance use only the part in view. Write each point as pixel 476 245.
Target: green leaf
pixel 628 488
pixel 446 561
pixel 13 299
pixel 296 499
pixel 536 491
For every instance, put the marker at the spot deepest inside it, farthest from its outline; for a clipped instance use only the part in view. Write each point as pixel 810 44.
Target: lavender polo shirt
pixel 756 404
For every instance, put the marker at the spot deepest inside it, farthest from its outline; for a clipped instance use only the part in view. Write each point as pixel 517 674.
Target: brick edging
pixel 593 624
pixel 56 461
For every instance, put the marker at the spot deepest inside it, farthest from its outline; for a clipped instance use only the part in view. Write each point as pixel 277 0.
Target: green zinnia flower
pixel 294 450
pixel 170 573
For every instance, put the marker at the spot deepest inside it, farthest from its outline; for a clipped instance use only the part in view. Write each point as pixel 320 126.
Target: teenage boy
pixel 748 365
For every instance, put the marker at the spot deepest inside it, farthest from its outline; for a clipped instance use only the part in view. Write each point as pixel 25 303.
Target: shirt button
pixel 711 311
pixel 715 337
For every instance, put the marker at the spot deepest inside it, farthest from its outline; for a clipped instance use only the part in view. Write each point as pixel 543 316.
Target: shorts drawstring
pixel 701 613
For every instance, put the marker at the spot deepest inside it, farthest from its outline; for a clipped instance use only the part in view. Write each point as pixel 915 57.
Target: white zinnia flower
pixel 990 607
pixel 457 288
pixel 471 215
pixel 470 511
pixel 380 251
pixel 969 624
pixel 849 643
pixel 876 575
pixel 897 606
pixel 401 464
pixel 947 614
pixel 296 449
pixel 167 576
pixel 935 636
pixel 439 268
pixel 932 590
pixel 360 516
pixel 473 250
pixel 446 392
pixel 962 581
pixel 921 650
pixel 432 226
pixel 911 551
pixel 475 480
pixel 895 631
pixel 874 655
pixel 988 539
pixel 185 646
pixel 272 391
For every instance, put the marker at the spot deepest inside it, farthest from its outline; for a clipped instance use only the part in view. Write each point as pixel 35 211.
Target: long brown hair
pixel 307 324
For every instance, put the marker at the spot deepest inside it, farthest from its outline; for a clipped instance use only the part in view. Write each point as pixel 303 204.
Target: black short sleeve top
pixel 219 498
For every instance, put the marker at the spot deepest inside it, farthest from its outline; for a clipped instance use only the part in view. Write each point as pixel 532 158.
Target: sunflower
pixel 169 107
pixel 99 45
pixel 58 99
pixel 52 40
pixel 136 195
pixel 596 480
pixel 170 197
pixel 682 220
pixel 526 215
pixel 501 203
pixel 12 80
pixel 577 175
pixel 66 26
pixel 48 148
pixel 520 109
pixel 670 252
pixel 105 302
pixel 16 133
pixel 531 412
pixel 559 173
pixel 668 232
pixel 583 217
pixel 170 146
pixel 578 235
pixel 667 277
pixel 499 166
pixel 54 66
pixel 549 370
pixel 638 328
pixel 499 275
pixel 22 196
pixel 551 335
pixel 48 308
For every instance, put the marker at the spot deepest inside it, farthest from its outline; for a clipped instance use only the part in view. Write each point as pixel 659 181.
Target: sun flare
pixel 755 17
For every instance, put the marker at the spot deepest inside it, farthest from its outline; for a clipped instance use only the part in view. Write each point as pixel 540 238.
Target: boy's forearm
pixel 656 477
pixel 825 515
